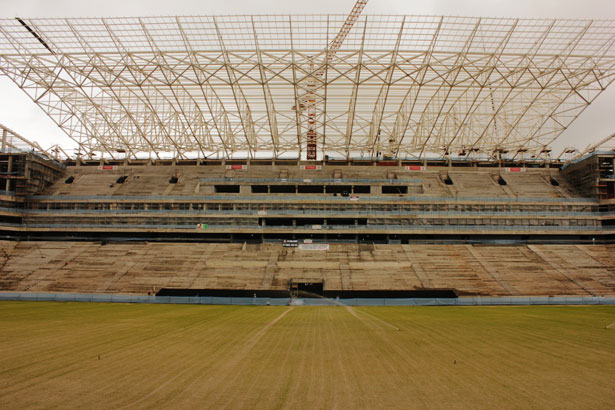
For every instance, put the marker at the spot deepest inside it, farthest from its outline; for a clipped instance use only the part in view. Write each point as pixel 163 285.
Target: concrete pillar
pixel 9 169
pixel 5 135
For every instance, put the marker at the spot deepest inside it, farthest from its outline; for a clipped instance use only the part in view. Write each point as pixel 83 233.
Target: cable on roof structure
pixel 235 86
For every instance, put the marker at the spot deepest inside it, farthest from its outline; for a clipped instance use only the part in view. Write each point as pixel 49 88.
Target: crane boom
pixel 352 18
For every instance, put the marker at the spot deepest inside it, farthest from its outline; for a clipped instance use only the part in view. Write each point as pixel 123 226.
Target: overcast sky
pixel 19 113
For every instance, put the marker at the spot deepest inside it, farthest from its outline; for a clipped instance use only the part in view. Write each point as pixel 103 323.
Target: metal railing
pixel 286 212
pixel 340 181
pixel 314 198
pixel 323 228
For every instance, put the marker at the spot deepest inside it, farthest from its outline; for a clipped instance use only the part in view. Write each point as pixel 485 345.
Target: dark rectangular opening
pixel 121 179
pixel 69 180
pixel 362 189
pixel 230 293
pixel 311 189
pixel 260 189
pixel 279 222
pixel 362 221
pixel 282 189
pixel 340 237
pixel 338 189
pixel 308 289
pixel 553 181
pixel 11 219
pixel 173 180
pixel 340 221
pixel 394 189
pixel 227 189
pixel 501 180
pixel 390 293
pixel 247 237
pixel 310 221
pixel 373 238
pixel 278 237
pixel 448 180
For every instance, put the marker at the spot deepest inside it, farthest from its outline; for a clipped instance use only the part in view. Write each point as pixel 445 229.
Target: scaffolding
pixel 25 167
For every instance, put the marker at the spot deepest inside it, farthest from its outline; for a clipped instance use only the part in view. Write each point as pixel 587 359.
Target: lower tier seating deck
pixel 142 268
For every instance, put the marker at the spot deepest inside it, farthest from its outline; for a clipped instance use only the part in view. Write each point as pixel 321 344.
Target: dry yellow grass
pixel 86 355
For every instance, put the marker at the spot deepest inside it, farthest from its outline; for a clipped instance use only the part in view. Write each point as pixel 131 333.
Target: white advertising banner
pixel 314 246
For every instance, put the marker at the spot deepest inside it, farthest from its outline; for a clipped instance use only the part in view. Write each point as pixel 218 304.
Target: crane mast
pixel 310 100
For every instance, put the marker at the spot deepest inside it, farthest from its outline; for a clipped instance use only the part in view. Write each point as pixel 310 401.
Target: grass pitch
pixel 86 355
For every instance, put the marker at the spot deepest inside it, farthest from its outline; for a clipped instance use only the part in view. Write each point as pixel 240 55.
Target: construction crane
pixel 309 100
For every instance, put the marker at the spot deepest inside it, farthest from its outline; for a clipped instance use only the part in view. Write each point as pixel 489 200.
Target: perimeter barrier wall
pixel 211 300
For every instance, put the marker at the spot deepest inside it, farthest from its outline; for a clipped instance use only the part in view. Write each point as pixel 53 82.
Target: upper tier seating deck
pixel 161 181
pixel 533 185
pixel 473 184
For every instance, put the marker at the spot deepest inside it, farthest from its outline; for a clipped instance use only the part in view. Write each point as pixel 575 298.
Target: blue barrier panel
pixel 100 298
pixel 425 302
pixel 370 302
pixel 316 302
pixel 216 300
pixel 210 300
pixel 399 302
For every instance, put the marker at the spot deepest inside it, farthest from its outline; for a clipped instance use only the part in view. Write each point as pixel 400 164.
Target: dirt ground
pixel 95 356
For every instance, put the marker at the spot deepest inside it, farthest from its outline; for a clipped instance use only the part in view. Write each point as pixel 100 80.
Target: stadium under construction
pixel 355 155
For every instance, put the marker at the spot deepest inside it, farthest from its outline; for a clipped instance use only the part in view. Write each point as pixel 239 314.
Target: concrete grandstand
pixel 357 154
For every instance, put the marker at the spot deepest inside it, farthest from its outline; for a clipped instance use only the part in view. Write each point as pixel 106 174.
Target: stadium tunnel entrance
pixel 306 288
